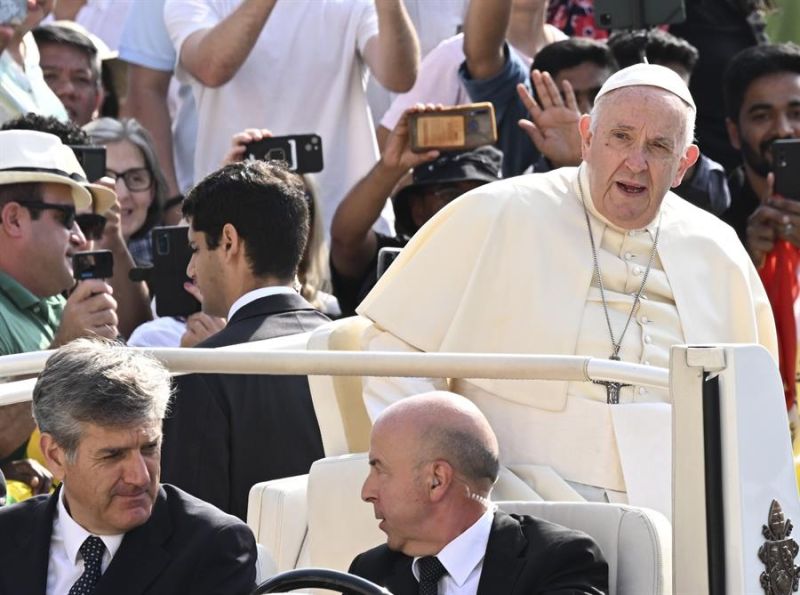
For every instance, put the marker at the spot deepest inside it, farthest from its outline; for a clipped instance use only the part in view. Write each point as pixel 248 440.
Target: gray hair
pixel 100 382
pixel 104 131
pixel 689 123
pixel 465 450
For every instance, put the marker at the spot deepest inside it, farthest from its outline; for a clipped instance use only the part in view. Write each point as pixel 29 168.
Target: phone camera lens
pixel 276 155
pixel 163 245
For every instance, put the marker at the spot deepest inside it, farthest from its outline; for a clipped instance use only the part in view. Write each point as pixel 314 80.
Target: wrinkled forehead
pixel 647 105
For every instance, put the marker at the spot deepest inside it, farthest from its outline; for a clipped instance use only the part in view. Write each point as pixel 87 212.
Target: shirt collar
pixel 74 535
pixel 583 189
pixel 465 552
pixel 18 294
pixel 256 294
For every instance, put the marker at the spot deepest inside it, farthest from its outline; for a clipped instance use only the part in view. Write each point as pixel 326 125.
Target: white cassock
pixel 508 268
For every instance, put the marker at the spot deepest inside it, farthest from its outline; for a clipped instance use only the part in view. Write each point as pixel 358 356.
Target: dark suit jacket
pixel 226 432
pixel 186 546
pixel 524 555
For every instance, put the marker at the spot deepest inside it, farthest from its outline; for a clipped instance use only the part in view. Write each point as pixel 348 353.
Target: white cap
pixel 650 75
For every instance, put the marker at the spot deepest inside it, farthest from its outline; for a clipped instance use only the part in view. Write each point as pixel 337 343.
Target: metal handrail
pixel 364 363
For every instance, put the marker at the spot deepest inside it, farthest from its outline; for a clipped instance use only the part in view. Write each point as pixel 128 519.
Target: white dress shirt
pixel 463 558
pixel 257 294
pixel 65 565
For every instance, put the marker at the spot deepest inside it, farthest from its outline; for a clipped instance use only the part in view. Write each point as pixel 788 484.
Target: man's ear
pixel 230 241
pixel 584 127
pixel 440 480
pixel 54 456
pixel 12 218
pixel 689 158
pixel 733 134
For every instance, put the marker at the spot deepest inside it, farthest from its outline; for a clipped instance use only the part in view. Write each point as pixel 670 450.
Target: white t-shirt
pixel 145 42
pixel 305 74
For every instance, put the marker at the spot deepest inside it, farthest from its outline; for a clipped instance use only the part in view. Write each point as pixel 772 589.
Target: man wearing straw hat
pixel 41 187
pixel 600 260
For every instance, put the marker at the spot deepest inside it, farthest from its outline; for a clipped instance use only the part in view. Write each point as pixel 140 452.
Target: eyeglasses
pixel 92 225
pixel 136 178
pixel 67 211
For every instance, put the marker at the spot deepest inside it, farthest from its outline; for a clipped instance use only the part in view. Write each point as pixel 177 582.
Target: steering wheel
pixel 320 578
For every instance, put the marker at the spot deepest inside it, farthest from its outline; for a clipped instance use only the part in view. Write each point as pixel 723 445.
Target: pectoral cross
pixel 612 388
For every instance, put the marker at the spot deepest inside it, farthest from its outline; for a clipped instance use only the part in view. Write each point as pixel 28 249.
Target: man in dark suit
pixel 111 527
pixel 248 229
pixel 434 460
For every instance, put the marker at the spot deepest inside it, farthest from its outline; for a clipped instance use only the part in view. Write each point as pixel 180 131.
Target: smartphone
pixel 638 14
pixel 13 12
pixel 171 255
pixel 302 153
pixel 786 166
pixel 92 160
pixel 386 256
pixel 97 264
pixel 454 128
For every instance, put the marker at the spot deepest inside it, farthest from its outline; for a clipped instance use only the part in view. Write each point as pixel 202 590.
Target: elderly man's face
pixel 395 486
pixel 770 111
pixel 68 73
pixel 111 485
pixel 635 154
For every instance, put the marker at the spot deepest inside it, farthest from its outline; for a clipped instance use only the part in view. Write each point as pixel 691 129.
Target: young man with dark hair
pixel 660 48
pixel 248 229
pixel 762 104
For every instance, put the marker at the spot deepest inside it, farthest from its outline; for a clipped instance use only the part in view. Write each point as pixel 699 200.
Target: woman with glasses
pixel 139 183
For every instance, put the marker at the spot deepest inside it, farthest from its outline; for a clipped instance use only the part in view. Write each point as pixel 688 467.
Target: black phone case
pixel 786 162
pixel 171 255
pixel 301 152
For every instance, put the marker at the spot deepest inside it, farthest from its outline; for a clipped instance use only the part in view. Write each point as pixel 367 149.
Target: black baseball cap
pixel 482 164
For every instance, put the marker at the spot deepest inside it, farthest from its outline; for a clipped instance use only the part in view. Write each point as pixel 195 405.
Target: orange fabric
pixel 779 275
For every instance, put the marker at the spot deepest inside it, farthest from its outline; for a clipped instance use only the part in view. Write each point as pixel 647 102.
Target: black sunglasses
pixel 92 225
pixel 67 211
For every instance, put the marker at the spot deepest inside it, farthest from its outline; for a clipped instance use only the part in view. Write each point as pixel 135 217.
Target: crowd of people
pixel 628 205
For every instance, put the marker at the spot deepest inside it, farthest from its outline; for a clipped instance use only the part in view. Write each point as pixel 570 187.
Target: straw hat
pixel 29 156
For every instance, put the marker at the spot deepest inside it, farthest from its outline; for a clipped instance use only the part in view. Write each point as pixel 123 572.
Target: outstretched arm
pixel 484 35
pixel 353 243
pixel 393 55
pixel 213 56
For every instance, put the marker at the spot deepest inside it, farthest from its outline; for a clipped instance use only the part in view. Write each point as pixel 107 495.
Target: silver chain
pixel 617 345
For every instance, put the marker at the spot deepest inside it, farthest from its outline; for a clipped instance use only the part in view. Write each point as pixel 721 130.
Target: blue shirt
pixel 519 152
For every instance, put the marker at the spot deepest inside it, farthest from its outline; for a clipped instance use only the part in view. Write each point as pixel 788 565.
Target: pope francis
pixel 600 260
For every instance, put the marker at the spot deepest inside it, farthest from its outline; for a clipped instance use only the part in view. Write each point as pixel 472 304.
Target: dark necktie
pixel 92 551
pixel 430 571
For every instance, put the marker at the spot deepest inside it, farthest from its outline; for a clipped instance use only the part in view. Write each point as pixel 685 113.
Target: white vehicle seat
pixel 319 520
pixel 342 417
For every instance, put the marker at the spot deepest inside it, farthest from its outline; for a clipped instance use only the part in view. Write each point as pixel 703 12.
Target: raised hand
pixel 553 127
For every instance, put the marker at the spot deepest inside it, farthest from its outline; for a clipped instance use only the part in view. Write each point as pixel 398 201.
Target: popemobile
pixel 725 524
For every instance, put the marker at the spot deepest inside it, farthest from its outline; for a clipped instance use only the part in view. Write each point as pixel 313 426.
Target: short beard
pixel 758 159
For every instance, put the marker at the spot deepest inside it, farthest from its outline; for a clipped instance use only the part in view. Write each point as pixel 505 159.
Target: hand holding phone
pixel 302 153
pixel 456 128
pixel 786 166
